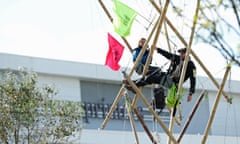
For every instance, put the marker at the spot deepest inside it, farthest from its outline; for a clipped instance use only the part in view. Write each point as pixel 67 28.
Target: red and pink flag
pixel 114 54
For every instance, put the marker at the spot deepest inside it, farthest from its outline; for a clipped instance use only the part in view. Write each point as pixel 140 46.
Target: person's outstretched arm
pixel 166 54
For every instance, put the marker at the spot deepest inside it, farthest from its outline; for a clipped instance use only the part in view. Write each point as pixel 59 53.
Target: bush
pixel 29 114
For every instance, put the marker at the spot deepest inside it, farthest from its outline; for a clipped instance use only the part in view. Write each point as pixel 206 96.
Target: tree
pixel 29 114
pixel 219 26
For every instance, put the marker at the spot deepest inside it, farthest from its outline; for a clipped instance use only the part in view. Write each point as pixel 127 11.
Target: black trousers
pixel 155 76
pixel 140 68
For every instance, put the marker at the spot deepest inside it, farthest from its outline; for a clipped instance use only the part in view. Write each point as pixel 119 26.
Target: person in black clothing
pixel 172 76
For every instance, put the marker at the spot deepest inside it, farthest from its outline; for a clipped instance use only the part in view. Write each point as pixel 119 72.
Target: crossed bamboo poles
pixel 162 18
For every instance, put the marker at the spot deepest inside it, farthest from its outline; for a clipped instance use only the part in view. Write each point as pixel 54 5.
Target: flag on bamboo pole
pixel 123 19
pixel 114 54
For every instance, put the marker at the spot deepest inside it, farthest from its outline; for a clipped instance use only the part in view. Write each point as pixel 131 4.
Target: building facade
pixel 96 86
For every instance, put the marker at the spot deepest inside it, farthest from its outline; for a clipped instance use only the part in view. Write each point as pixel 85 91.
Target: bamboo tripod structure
pixel 162 18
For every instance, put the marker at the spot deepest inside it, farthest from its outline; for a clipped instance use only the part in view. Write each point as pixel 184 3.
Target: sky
pixel 76 30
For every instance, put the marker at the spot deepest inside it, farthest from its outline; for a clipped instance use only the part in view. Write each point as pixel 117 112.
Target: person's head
pixel 141 42
pixel 182 53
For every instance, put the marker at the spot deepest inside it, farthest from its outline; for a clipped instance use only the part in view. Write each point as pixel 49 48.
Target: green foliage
pixel 28 113
pixel 218 25
pixel 218 20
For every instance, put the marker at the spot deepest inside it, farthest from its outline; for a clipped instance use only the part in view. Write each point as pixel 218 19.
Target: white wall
pixel 68 87
pixel 226 119
pixel 124 137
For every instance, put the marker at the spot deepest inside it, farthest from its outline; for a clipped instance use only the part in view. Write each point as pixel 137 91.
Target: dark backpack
pixel 159 98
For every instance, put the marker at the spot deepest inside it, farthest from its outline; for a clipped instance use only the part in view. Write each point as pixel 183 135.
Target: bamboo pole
pixel 158 25
pixel 210 76
pixel 215 105
pixel 111 19
pixel 160 22
pixel 191 116
pixel 163 15
pixel 136 97
pixel 105 10
pixel 145 46
pixel 193 53
pixel 186 59
pixel 178 122
pixel 184 68
pixel 151 109
pixel 141 54
pixel 113 107
pixel 144 126
pixel 117 99
pixel 167 36
pixel 129 109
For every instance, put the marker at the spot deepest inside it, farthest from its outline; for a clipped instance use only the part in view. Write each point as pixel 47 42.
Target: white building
pixel 97 87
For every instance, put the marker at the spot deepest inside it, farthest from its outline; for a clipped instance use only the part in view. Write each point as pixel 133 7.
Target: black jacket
pixel 190 71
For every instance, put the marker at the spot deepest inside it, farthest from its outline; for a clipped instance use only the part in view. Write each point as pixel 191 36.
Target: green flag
pixel 124 18
pixel 172 97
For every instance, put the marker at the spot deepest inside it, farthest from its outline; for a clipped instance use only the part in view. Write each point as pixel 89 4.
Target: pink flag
pixel 114 54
